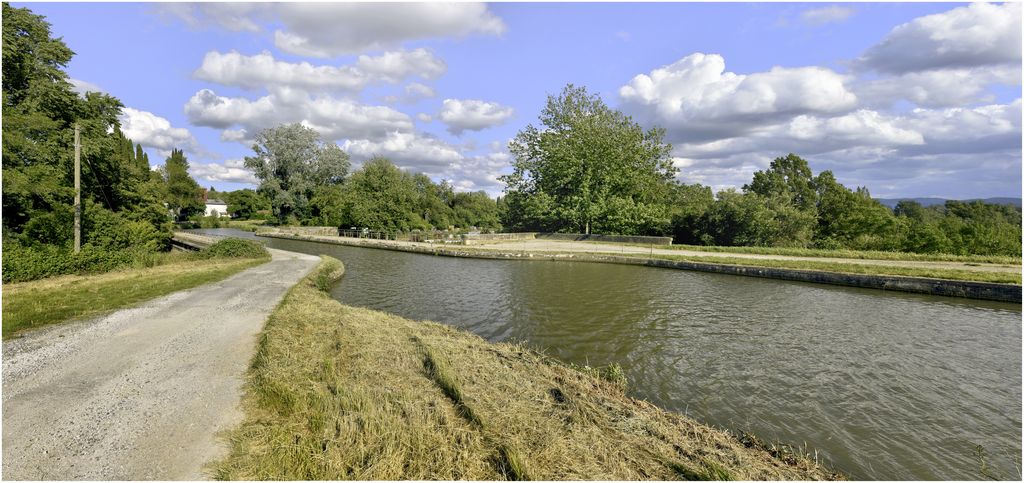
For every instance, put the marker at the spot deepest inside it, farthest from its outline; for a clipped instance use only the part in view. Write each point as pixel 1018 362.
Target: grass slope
pixel 34 304
pixel 826 266
pixel 338 392
pixel 852 254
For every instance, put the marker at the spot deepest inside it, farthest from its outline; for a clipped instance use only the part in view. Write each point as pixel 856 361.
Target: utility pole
pixel 78 191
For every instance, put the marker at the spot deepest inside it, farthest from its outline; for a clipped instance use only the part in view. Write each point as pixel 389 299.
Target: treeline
pixel 306 181
pixel 126 206
pixel 589 168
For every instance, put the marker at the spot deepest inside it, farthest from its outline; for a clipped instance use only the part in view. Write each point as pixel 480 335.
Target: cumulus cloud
pixel 263 70
pixel 889 153
pixel 333 29
pixel 976 35
pixel 824 15
pixel 472 115
pixel 153 131
pixel 424 117
pixel 410 150
pixel 695 98
pixel 333 118
pixel 938 88
pixel 231 171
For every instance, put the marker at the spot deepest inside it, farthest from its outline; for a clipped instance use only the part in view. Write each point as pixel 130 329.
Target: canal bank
pixel 1001 292
pixel 340 392
pixel 882 384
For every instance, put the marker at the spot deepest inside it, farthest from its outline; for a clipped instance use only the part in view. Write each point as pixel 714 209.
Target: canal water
pixel 882 385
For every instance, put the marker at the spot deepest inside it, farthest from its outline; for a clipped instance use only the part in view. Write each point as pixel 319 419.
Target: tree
pixel 380 196
pixel 788 176
pixel 291 161
pixel 245 203
pixel 40 110
pixel 593 167
pixel 184 195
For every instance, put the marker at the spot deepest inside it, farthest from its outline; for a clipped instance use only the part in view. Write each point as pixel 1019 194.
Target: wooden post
pixel 78 191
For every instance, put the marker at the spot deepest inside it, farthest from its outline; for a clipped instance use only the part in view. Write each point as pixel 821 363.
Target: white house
pixel 216 206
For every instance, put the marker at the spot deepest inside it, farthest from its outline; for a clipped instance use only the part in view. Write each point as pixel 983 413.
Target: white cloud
pixel 262 70
pixel 233 16
pixel 82 87
pixel 416 91
pixel 396 66
pixel 231 171
pixel 824 15
pixel 409 150
pixel 153 131
pixel 472 115
pixel 332 29
pixel 335 119
pixel 695 98
pixel 976 35
pixel 424 117
pixel 938 88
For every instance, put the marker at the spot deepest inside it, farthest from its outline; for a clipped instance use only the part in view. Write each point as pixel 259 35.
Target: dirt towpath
pixel 140 393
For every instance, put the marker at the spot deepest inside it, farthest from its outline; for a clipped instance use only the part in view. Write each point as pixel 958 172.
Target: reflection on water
pixel 884 385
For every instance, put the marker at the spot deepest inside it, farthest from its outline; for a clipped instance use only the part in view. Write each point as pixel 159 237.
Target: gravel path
pixel 142 392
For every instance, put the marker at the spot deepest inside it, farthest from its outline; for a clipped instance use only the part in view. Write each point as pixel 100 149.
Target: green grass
pixel 826 266
pixel 338 392
pixel 38 303
pixel 855 254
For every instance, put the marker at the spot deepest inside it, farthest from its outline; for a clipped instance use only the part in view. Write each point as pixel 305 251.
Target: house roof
pixel 215 202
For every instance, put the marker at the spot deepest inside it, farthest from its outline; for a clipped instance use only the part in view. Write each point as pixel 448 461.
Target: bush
pixel 22 263
pixel 235 248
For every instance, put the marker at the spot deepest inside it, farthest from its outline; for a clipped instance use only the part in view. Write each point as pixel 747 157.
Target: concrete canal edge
pixel 999 292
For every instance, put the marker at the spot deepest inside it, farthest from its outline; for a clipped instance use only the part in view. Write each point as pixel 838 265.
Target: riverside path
pixel 140 393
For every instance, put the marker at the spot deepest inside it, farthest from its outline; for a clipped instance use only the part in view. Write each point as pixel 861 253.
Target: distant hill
pixel 891 202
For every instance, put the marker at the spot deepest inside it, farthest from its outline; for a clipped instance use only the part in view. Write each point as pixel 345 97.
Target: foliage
pixel 235 248
pixel 588 168
pixel 245 204
pixel 786 206
pixel 185 196
pixel 291 162
pixel 381 196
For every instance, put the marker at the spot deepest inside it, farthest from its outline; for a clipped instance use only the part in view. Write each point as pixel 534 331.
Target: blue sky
pixel 912 99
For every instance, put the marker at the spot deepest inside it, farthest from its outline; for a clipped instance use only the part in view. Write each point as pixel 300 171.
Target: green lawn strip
pixel 337 392
pixel 826 266
pixel 34 304
pixel 854 254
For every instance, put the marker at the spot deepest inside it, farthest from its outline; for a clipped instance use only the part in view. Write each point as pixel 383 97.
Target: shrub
pixel 235 248
pixel 23 263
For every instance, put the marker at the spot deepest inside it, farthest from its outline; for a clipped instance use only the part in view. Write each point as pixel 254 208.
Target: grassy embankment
pixel 337 392
pixel 851 254
pixel 28 305
pixel 827 266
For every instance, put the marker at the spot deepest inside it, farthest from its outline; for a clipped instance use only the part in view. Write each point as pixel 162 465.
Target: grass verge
pixel 29 305
pixel 826 266
pixel 338 392
pixel 852 254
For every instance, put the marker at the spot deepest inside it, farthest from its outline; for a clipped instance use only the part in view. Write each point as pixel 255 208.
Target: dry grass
pixel 338 392
pixel 33 304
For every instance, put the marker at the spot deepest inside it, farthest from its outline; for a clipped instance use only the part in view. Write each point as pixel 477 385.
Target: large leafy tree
pixel 380 196
pixel 184 195
pixel 39 112
pixel 588 168
pixel 291 162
